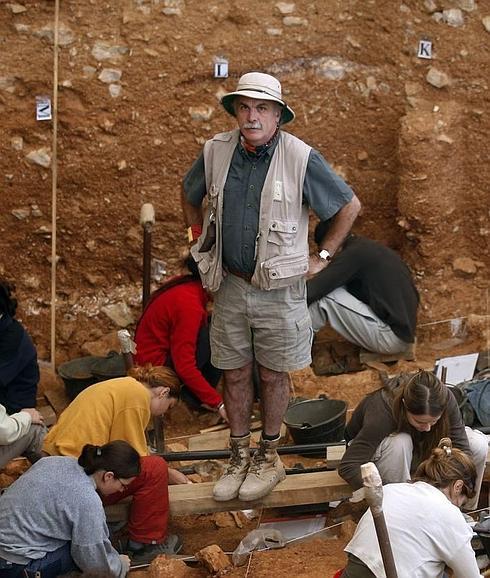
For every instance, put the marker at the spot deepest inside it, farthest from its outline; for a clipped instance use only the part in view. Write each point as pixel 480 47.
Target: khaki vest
pixel 282 242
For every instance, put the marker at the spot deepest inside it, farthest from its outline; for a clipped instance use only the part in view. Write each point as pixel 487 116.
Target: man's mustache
pixel 256 125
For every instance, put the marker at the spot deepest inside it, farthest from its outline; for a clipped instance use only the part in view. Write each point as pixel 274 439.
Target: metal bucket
pixel 316 420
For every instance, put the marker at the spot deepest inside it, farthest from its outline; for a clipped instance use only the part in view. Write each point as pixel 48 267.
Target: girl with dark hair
pixel 121 408
pixel 52 520
pixel 397 426
pixel 174 330
pixel 426 528
pixel 19 370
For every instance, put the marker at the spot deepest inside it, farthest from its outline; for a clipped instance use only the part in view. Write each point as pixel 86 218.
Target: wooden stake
pixel 374 497
pixel 54 183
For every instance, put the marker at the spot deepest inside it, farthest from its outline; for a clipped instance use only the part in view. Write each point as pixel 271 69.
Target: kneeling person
pixel 52 520
pixel 121 408
pixel 366 294
pixel 21 434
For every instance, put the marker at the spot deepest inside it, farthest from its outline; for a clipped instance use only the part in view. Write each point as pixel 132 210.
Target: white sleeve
pixel 463 563
pixel 13 427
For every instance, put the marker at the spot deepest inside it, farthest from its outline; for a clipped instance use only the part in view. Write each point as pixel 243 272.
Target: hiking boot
pixel 171 546
pixel 227 487
pixel 266 471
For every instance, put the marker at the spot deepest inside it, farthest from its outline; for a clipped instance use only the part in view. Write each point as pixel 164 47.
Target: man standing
pixel 367 294
pixel 252 252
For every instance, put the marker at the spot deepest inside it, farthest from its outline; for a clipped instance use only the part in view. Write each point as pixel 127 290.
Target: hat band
pixel 251 89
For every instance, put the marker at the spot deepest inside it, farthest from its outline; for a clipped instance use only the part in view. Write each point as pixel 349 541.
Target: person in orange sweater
pixel 121 409
pixel 173 330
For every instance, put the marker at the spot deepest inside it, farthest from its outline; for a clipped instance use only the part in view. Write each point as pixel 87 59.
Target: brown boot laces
pixel 257 461
pixel 235 460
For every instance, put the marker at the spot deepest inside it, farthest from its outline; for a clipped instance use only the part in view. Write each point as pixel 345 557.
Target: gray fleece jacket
pixel 53 503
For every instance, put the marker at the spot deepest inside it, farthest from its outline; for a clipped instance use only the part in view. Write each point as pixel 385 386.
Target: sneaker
pixel 171 546
pixel 227 487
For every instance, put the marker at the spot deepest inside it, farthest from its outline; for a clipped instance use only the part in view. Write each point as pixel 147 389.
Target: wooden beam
pixel 295 490
pixel 57 399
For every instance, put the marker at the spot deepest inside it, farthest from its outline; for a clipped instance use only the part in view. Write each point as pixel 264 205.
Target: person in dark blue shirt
pixel 19 369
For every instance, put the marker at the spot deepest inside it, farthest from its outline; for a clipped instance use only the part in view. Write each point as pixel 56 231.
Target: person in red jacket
pixel 173 330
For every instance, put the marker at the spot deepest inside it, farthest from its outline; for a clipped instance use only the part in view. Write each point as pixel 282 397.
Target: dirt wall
pixel 137 99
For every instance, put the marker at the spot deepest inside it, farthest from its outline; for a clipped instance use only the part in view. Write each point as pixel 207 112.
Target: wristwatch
pixel 325 255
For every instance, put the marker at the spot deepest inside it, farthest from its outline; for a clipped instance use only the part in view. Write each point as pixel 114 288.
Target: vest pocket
pixel 283 233
pixel 285 267
pixel 203 260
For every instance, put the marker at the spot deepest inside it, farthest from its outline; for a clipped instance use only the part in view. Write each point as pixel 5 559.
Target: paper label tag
pixel 277 195
pixel 43 108
pixel 425 49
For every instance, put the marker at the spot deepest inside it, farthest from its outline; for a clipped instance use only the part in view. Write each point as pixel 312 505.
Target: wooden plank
pixel 48 414
pixel 334 455
pixel 57 399
pixel 296 489
pixel 486 474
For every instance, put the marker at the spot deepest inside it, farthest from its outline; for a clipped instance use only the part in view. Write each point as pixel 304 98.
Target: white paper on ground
pixel 459 367
pixel 293 528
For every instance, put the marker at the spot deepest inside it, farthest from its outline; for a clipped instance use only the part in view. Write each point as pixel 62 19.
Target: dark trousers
pixel 356 569
pixel 203 361
pixel 53 564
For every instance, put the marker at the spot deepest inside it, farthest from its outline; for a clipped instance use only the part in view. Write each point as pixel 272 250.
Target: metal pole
pixel 147 220
pixel 307 449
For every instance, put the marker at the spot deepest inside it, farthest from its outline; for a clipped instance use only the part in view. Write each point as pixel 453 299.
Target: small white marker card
pixel 43 108
pixel 221 68
pixel 425 49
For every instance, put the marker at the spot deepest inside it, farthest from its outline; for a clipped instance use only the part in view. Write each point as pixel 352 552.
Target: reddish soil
pixel 416 155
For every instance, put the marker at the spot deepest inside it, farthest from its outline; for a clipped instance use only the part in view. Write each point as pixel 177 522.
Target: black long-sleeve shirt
pixel 378 277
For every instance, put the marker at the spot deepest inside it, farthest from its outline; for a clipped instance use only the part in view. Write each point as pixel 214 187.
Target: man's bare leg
pixel 274 399
pixel 238 396
pixel 266 469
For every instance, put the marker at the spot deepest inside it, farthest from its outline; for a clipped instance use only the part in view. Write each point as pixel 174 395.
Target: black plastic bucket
pixel 316 420
pixel 77 374
pixel 109 367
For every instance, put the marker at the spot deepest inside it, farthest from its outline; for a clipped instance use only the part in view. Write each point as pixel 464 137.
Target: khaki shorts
pixel 272 326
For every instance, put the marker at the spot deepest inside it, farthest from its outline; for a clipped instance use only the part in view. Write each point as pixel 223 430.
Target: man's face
pixel 257 119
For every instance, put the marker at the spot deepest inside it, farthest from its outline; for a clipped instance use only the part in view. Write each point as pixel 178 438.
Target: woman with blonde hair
pixel 426 527
pixel 121 408
pixel 397 426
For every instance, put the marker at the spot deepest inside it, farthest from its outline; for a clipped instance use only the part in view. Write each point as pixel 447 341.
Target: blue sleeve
pixel 195 182
pixel 324 191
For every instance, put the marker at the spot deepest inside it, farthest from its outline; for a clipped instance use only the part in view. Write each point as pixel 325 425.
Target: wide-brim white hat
pixel 261 86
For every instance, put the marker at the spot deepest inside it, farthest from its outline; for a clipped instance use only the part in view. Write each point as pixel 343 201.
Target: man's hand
pixel 316 264
pixel 36 417
pixel 175 477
